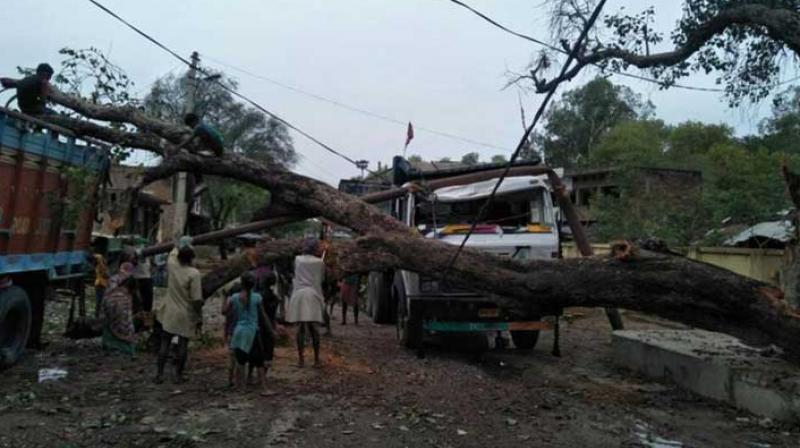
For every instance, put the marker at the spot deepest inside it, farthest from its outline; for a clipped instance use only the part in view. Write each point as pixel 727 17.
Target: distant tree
pixel 744 185
pixel 781 131
pixel 694 138
pixel 583 116
pixel 632 143
pixel 470 158
pixel 415 158
pixel 529 151
pixel 445 159
pixel 499 158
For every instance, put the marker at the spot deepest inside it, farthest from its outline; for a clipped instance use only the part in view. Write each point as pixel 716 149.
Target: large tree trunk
pixel 676 288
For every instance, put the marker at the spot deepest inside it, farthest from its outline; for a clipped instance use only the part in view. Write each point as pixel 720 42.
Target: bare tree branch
pixel 781 25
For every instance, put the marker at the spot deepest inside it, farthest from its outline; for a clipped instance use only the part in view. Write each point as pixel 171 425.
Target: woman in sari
pixel 118 332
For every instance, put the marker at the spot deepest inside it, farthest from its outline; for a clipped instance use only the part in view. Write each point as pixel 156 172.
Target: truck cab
pixel 521 223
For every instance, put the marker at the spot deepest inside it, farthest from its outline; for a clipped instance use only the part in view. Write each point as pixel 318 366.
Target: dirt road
pixel 370 392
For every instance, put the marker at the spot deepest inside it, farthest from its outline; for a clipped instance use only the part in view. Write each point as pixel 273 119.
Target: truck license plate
pixel 489 312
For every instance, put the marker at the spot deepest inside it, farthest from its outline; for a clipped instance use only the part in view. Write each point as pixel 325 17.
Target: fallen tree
pixel 662 284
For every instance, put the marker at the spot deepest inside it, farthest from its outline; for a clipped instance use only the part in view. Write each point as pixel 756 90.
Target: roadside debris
pixel 52 374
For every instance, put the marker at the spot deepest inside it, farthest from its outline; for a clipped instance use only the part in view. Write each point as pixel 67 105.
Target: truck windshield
pixel 511 211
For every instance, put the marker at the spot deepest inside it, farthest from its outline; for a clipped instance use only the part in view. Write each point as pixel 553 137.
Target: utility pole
pixel 182 199
pixel 362 165
pixel 191 83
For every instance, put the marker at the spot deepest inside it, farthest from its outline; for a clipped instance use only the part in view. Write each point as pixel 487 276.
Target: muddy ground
pixel 370 392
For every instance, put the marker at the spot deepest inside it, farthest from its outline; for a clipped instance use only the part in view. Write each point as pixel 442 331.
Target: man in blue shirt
pixel 209 137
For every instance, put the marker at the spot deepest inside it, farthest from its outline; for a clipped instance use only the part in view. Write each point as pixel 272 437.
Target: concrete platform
pixel 716 366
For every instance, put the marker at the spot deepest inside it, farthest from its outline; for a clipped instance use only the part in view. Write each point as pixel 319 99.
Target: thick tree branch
pixel 781 25
pixel 121 114
pixel 149 142
pixel 674 287
pixel 308 196
pixel 268 253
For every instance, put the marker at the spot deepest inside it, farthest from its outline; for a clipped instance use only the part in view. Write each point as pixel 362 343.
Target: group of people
pixel 250 309
pixel 178 314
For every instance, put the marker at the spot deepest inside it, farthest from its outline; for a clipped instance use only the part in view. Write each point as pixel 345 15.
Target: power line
pixel 151 83
pixel 562 51
pixel 352 108
pixel 524 140
pixel 219 83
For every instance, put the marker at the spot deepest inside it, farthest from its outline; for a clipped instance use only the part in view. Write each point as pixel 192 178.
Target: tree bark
pixel 668 286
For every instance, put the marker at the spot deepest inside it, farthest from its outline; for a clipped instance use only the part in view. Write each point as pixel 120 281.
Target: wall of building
pixel 766 265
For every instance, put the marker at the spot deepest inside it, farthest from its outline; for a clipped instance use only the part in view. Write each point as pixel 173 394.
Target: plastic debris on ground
pixel 51 374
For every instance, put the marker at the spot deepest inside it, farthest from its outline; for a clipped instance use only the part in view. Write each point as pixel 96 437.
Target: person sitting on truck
pixel 180 311
pixel 210 138
pixel 118 331
pixel 307 304
pixel 32 90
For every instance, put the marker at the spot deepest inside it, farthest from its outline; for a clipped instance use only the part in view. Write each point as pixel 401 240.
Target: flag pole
pixel 409 137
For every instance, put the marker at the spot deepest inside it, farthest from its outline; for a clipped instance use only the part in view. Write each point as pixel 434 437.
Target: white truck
pixel 520 224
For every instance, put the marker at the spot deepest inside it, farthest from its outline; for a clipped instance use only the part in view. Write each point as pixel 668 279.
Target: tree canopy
pixel 745 43
pixel 471 158
pixel 584 115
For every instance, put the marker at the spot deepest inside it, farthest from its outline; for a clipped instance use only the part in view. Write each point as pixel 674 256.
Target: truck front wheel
pixel 381 297
pixel 15 324
pixel 409 322
pixel 525 340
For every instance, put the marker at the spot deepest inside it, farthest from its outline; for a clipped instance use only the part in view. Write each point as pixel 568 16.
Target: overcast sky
pixel 425 61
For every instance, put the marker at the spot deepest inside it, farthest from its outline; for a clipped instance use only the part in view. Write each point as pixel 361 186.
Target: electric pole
pixel 191 83
pixel 183 198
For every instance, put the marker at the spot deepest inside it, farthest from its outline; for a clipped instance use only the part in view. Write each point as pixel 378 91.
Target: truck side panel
pixel 33 186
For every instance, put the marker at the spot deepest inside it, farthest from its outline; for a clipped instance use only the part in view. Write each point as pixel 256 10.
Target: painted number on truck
pixel 21 225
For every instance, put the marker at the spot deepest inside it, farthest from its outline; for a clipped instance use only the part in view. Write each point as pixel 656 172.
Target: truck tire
pixel 525 340
pixel 409 321
pixel 382 310
pixel 15 324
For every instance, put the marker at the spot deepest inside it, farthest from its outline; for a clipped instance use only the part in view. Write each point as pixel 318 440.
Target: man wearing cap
pixel 180 312
pixel 32 90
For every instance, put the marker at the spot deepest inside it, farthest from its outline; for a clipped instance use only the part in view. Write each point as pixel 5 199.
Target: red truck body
pixel 48 181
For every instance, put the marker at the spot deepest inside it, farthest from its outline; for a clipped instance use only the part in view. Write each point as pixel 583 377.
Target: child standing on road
pixel 227 332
